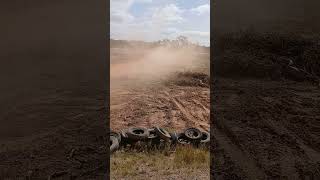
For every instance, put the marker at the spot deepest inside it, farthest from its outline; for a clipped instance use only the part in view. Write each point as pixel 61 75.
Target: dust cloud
pixel 149 64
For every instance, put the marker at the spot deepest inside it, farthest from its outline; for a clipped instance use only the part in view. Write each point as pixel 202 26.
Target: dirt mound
pixel 262 55
pixel 189 78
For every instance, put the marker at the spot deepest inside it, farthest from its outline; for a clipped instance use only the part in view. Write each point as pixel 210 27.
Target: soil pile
pixel 264 127
pixel 266 55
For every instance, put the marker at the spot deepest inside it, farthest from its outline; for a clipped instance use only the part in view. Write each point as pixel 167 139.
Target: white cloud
pixel 118 17
pixel 155 22
pixel 167 15
pixel 202 9
pixel 171 30
pixel 119 11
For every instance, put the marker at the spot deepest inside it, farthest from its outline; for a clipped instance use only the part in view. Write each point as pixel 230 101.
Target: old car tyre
pixel 123 134
pixel 182 139
pixel 124 138
pixel 138 133
pixel 117 135
pixel 163 134
pixel 174 137
pixel 152 133
pixel 205 137
pixel 193 134
pixel 114 144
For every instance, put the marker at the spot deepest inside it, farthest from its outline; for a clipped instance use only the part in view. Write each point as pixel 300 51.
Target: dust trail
pixel 149 64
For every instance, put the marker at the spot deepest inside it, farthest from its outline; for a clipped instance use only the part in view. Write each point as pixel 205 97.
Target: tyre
pixel 152 133
pixel 193 134
pixel 123 134
pixel 114 143
pixel 117 135
pixel 182 139
pixel 124 138
pixel 205 138
pixel 137 133
pixel 163 134
pixel 174 137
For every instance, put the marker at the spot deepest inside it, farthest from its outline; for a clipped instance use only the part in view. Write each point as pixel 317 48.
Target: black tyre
pixel 114 144
pixel 193 134
pixel 152 133
pixel 117 135
pixel 205 138
pixel 182 139
pixel 174 137
pixel 163 134
pixel 124 138
pixel 137 133
pixel 123 134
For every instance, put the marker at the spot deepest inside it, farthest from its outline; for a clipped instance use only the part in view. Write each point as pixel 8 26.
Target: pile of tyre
pixel 157 137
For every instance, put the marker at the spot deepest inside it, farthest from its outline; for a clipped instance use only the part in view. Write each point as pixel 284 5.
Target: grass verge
pixel 183 162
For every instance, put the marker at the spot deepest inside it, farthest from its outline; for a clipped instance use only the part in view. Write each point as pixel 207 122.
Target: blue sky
pixel 152 20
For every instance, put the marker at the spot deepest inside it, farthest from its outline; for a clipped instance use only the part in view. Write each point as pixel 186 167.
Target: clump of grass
pixel 124 164
pixel 189 156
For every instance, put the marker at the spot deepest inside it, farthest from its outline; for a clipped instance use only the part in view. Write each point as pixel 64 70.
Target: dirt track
pixel 265 129
pixel 153 100
pixel 173 107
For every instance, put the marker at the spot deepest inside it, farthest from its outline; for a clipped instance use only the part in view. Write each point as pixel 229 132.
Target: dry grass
pixel 184 161
pixel 190 157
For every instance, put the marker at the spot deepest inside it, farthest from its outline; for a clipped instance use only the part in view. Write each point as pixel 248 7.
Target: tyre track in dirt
pixel 190 119
pixel 173 107
pixel 272 124
pixel 231 148
pixel 247 165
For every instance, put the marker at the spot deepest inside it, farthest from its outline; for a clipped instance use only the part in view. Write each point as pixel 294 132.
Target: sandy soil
pixel 265 129
pixel 174 107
